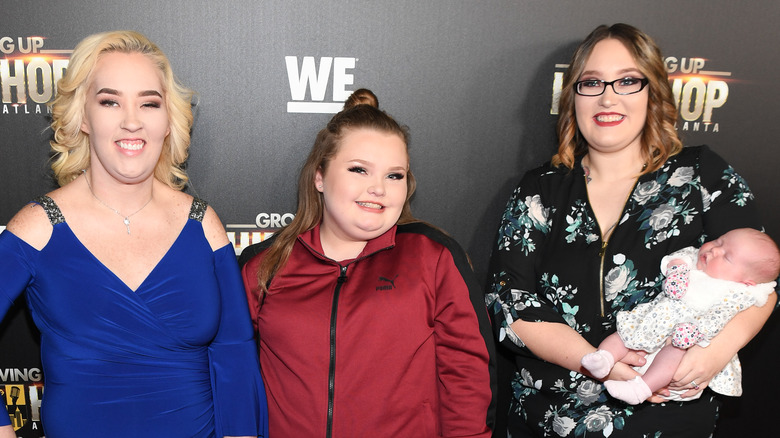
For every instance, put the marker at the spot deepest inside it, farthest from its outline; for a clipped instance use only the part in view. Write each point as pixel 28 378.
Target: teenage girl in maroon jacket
pixel 370 322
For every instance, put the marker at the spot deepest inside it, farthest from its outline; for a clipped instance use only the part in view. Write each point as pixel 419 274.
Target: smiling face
pixel 732 256
pixel 611 122
pixel 363 186
pixel 125 117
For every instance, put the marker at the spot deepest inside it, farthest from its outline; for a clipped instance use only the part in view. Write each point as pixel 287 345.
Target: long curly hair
pixel 71 145
pixel 659 136
pixel 361 111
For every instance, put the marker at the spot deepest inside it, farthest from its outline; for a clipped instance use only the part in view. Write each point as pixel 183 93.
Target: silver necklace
pixel 126 219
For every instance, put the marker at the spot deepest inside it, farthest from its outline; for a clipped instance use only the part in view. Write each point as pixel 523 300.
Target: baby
pixel 703 290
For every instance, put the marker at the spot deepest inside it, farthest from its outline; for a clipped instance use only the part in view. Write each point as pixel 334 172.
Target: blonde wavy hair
pixel 659 136
pixel 360 111
pixel 70 145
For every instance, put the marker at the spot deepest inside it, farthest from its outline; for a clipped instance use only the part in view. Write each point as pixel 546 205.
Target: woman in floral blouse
pixel 582 238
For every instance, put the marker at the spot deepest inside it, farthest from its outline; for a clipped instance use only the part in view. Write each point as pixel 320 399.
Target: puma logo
pixel 387 286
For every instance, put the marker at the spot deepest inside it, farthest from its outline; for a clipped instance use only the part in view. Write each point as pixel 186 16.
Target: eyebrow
pixel 625 70
pixel 368 163
pixel 144 93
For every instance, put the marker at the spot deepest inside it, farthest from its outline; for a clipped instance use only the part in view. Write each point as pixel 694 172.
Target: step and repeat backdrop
pixel 475 81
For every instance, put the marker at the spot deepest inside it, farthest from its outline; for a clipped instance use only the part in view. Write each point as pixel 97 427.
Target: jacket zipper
pixel 332 368
pixel 333 313
pixel 603 249
pixel 602 252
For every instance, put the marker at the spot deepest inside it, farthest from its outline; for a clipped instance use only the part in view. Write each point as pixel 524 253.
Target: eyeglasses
pixel 596 87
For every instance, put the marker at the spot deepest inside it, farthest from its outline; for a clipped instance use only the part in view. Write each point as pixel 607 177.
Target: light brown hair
pixel 659 136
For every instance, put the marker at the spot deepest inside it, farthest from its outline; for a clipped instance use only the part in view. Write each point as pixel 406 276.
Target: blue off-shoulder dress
pixel 174 358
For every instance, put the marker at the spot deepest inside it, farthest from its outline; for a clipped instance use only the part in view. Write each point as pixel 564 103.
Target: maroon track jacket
pixel 395 343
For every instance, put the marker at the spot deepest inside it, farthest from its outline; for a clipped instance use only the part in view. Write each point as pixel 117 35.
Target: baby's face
pixel 728 257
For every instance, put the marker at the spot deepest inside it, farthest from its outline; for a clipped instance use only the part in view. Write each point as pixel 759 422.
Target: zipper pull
pixel 603 248
pixel 343 275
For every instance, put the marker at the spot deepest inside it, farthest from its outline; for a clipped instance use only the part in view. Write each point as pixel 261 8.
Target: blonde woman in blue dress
pixel 136 291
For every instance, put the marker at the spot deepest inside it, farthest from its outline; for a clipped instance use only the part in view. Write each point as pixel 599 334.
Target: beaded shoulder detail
pixel 198 209
pixel 51 209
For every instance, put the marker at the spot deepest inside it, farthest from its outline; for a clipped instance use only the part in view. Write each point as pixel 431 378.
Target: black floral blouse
pixel 549 265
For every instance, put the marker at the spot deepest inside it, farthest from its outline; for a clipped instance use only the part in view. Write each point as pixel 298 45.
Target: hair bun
pixel 362 96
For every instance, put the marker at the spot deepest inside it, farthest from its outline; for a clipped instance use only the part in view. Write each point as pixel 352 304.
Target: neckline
pixel 605 236
pixel 112 273
pixel 585 168
pixel 311 240
pixel 56 217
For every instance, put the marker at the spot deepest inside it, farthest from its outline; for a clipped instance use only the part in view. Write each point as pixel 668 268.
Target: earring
pixel 319 186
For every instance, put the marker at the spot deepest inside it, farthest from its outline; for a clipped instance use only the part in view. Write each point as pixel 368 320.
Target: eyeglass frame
pixel 643 81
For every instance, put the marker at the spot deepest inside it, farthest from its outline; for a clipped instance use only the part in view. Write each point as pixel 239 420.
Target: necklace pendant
pixel 126 219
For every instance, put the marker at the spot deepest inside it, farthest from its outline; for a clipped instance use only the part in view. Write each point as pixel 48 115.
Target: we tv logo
pixel 308 75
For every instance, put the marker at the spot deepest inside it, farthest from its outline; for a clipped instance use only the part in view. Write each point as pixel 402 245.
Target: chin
pixel 372 233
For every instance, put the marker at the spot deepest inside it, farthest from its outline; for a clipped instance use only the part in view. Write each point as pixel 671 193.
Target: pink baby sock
pixel 632 391
pixel 599 363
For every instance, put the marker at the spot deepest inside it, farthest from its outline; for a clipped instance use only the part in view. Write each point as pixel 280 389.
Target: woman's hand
pixel 635 358
pixel 698 367
pixel 624 371
pixel 660 396
pixel 621 371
